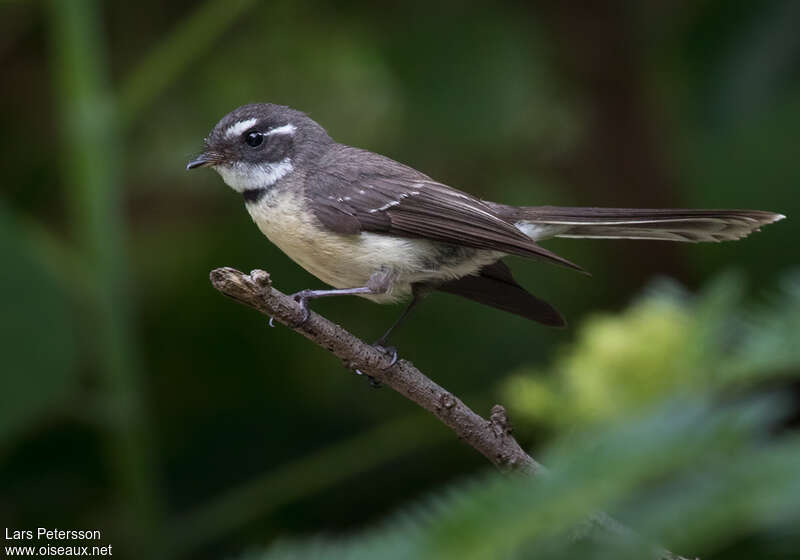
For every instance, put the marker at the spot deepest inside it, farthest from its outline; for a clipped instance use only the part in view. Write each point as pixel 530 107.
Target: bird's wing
pixel 355 190
pixel 495 286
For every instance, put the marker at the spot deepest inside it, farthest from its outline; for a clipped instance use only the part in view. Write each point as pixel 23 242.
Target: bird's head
pixel 256 145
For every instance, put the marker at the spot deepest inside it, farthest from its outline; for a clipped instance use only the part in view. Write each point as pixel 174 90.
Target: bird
pixel 370 226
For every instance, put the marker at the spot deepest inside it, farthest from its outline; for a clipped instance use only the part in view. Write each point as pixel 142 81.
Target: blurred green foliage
pixel 670 342
pixel 37 336
pixel 618 362
pixel 138 401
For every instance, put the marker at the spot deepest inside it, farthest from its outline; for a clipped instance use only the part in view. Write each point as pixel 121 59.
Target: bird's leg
pixel 418 290
pixel 379 283
pixel 303 296
pixel 381 342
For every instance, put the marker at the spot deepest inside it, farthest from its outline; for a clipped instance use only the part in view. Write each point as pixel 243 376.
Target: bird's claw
pixel 302 299
pixel 272 322
pixel 391 351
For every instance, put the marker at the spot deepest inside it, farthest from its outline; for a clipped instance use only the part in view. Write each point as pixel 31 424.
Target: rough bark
pixel 490 437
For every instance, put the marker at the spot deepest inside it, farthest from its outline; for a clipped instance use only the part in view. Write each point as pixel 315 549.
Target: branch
pixel 492 438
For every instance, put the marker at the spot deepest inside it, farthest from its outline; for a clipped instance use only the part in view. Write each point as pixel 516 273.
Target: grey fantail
pixel 370 226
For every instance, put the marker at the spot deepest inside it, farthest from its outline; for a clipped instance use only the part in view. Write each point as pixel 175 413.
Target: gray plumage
pixel 371 226
pixel 354 190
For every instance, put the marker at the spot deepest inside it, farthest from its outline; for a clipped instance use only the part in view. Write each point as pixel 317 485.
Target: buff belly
pixel 348 261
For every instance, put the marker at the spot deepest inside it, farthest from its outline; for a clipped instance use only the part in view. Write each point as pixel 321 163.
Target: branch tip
pixel 220 277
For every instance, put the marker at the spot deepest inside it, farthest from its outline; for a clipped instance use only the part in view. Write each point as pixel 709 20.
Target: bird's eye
pixel 254 139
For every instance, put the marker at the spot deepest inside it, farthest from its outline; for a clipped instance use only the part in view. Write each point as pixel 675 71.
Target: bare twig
pixel 492 437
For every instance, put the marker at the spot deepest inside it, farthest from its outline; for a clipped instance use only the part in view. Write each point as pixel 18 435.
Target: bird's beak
pixel 203 160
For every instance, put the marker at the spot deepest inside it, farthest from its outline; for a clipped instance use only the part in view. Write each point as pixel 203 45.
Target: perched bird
pixel 370 226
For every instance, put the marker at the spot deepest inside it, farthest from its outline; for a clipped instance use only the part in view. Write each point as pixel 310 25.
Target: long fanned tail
pixel 540 222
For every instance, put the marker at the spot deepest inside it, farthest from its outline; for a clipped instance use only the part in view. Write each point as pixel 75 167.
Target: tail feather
pixel 694 226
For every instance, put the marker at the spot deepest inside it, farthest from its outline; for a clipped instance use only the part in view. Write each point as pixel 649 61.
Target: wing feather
pixel 355 190
pixel 495 286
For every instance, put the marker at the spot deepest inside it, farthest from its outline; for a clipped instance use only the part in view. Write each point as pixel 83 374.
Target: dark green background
pixel 139 401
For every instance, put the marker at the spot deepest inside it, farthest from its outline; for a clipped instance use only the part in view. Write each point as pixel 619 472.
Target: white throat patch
pixel 242 176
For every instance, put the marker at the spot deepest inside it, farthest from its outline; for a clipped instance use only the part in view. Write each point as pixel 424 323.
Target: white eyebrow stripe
pixel 285 129
pixel 239 127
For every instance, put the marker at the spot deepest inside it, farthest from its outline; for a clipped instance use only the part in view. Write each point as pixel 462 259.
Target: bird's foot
pixel 390 351
pixel 302 298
